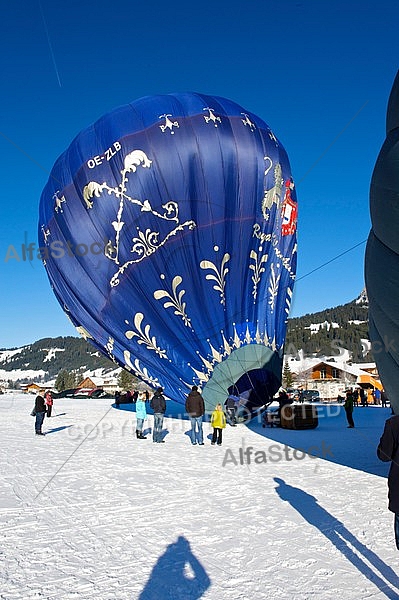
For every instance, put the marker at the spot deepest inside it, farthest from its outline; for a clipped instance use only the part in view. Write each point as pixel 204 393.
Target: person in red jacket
pixel 48 399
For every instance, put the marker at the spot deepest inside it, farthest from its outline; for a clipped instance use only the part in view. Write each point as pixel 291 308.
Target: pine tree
pixel 126 380
pixel 287 376
pixel 65 380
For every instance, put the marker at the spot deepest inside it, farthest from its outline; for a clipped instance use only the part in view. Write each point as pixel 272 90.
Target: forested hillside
pixel 322 333
pixel 54 354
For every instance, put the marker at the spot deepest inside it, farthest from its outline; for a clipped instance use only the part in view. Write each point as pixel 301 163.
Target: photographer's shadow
pixel 341 537
pixel 178 574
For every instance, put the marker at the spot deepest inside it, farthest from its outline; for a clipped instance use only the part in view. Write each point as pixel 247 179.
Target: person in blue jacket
pixel 141 415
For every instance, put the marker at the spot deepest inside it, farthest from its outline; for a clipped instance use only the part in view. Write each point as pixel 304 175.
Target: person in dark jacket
pixel 384 398
pixel 231 406
pixel 195 407
pixel 355 395
pixel 348 406
pixel 363 397
pixel 388 450
pixel 283 401
pixel 158 405
pixel 40 410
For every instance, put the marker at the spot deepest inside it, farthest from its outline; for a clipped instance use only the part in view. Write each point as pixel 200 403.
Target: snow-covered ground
pixel 89 511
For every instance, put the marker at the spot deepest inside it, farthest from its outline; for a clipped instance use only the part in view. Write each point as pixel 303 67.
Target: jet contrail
pixel 49 43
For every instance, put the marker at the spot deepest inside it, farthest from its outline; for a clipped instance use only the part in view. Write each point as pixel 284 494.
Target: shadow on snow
pixel 177 574
pixel 355 448
pixel 336 532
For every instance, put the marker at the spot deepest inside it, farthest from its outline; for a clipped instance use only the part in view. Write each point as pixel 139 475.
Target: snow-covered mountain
pixel 43 360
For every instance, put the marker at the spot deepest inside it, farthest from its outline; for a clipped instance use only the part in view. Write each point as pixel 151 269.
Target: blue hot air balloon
pixel 382 255
pixel 168 233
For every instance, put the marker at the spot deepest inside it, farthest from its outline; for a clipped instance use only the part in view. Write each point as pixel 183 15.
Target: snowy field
pixel 88 511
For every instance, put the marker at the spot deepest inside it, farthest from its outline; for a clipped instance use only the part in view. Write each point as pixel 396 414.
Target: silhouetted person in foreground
pixel 388 450
pixel 177 574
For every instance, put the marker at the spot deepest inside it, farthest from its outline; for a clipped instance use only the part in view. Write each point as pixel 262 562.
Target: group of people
pixel 358 394
pixel 158 405
pixel 352 399
pixel 43 406
pixel 195 408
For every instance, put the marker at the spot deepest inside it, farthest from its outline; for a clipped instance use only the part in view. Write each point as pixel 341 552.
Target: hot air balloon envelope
pixel 382 255
pixel 168 230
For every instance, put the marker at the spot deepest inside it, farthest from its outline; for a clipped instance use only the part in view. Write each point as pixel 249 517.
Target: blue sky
pixel 319 73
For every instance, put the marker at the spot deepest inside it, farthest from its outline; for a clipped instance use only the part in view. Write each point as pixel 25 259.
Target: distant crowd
pixel 195 408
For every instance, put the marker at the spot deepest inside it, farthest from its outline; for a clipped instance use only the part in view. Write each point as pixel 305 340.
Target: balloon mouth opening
pixel 252 373
pixel 255 388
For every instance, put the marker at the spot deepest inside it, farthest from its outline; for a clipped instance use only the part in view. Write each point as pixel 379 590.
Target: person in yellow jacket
pixel 218 422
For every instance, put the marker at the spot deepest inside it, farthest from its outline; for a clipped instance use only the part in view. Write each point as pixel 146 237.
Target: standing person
pixel 141 415
pixel 348 406
pixel 158 405
pixel 230 405
pixel 195 406
pixel 355 395
pixel 40 410
pixel 377 396
pixel 218 422
pixel 388 450
pixel 283 401
pixel 363 397
pixel 48 399
pixel 384 399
